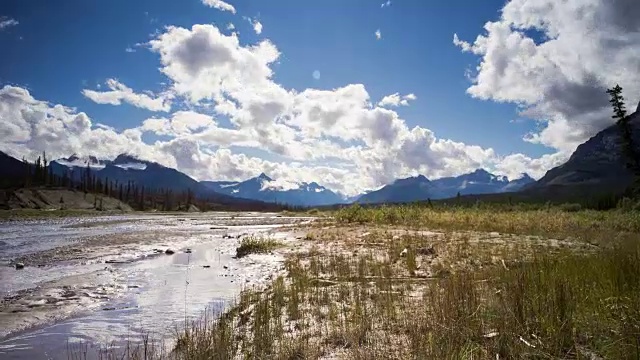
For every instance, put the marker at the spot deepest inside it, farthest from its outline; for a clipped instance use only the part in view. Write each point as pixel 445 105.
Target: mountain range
pixel 420 188
pixel 127 168
pixel 264 188
pixel 596 166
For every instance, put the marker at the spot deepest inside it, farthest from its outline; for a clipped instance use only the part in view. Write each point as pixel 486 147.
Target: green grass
pixel 253 245
pixel 585 224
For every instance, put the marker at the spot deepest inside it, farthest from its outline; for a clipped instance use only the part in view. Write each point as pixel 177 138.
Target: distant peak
pixel 126 158
pixel 264 176
pixel 523 176
pixel 77 158
pixel 412 179
pixel 481 171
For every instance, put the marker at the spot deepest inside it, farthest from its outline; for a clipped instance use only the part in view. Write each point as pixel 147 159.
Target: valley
pixel 320 180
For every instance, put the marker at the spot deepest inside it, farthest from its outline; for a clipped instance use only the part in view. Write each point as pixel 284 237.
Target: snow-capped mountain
pixel 264 188
pixel 129 162
pixel 82 162
pixel 127 168
pixel 420 188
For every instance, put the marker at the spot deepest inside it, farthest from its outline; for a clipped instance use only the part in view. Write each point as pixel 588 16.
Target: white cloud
pixel 120 92
pixel 397 100
pixel 385 4
pixel 559 78
pixel 129 49
pixel 316 74
pixel 230 26
pixel 220 5
pixel 338 138
pixel 257 27
pixel 378 34
pixel 7 22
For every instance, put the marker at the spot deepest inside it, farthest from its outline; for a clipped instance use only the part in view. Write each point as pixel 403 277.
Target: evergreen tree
pixel 629 149
pixel 617 102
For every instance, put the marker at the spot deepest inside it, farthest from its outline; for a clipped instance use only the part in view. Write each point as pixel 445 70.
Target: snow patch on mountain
pixel 132 166
pixel 78 161
pixel 278 185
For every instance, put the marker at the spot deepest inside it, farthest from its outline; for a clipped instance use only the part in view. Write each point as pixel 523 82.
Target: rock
pixel 169 252
pixel 225 267
pixel 188 251
pixel 227 236
pixel 491 334
pixel 206 266
pixel 404 252
pixel 19 266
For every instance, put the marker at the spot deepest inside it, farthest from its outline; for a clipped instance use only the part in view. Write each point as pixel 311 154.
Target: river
pixel 97 281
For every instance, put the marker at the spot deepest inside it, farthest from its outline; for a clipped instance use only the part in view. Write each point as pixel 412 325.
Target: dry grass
pixel 374 285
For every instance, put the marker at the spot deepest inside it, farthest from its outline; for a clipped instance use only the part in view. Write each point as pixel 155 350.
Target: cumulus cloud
pixel 560 77
pixel 338 137
pixel 397 100
pixel 7 22
pixel 385 4
pixel 220 5
pixel 119 93
pixel 378 34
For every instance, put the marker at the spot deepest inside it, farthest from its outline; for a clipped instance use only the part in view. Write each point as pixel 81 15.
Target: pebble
pixel 19 266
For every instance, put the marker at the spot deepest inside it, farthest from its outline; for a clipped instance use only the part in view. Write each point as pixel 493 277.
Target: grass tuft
pixel 253 245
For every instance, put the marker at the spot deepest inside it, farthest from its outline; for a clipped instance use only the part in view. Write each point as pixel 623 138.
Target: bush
pixel 252 245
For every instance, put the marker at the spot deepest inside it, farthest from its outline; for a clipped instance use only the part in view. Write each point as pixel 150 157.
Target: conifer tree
pixel 620 114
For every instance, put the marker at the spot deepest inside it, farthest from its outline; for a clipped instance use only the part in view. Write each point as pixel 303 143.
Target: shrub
pixel 253 245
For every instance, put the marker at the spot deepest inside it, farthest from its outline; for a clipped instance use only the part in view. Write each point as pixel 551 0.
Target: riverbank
pixel 382 284
pixel 115 271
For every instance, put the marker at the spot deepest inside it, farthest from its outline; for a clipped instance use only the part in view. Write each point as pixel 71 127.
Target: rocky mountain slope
pixel 598 165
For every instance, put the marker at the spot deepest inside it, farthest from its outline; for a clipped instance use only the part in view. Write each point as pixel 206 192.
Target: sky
pixel 350 94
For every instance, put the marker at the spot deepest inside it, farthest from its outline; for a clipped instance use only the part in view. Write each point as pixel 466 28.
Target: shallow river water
pixel 90 282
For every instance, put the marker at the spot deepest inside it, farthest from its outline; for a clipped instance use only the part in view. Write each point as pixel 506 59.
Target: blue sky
pixel 62 47
pixel 59 48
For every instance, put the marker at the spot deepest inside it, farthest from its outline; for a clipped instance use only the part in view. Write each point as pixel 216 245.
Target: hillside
pixel 58 199
pixel 596 166
pixel 144 185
